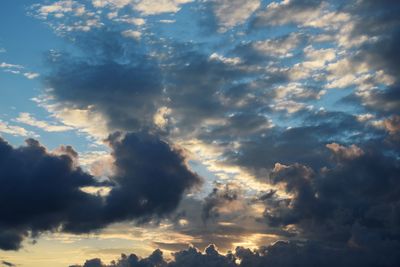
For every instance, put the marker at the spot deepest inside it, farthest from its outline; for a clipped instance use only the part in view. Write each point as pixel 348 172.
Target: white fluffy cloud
pixel 234 12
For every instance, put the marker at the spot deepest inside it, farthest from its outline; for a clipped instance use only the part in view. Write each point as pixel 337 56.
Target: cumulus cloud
pixel 143 161
pixel 279 254
pixel 30 208
pixel 232 13
pixel 132 34
pixel 351 194
pixel 145 7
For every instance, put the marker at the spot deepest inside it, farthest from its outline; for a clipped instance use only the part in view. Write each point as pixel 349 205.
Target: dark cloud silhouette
pixel 151 176
pixel 39 191
pixel 42 191
pixel 279 254
pixel 357 193
pixel 155 259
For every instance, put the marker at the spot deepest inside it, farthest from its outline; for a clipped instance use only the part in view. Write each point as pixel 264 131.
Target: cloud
pixel 232 13
pixel 31 75
pixel 66 16
pixel 147 7
pixel 304 143
pixel 350 152
pixel 279 254
pixel 289 11
pixel 5 127
pixel 126 94
pixel 141 162
pixel 113 3
pixel 58 8
pixel 267 51
pixel 151 177
pixel 218 199
pixel 132 34
pixel 354 193
pixel 10 66
pixel 27 118
pixel 86 121
pixel 30 206
pixel 17 69
pixel 377 54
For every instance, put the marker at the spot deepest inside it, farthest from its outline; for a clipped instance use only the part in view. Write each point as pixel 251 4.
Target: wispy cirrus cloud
pixel 27 118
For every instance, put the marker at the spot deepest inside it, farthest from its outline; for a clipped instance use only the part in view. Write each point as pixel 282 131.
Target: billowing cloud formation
pixel 354 194
pixel 39 191
pixel 42 191
pixel 279 254
pixel 151 177
pixel 97 86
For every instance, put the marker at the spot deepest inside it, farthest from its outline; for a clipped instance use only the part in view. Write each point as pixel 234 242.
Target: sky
pixel 168 133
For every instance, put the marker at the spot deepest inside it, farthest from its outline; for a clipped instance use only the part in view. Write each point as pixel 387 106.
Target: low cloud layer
pixel 279 254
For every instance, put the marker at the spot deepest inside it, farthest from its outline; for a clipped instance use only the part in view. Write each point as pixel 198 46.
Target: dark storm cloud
pixel 279 254
pixel 41 191
pixel 189 257
pixel 151 177
pixel 359 192
pixel 155 259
